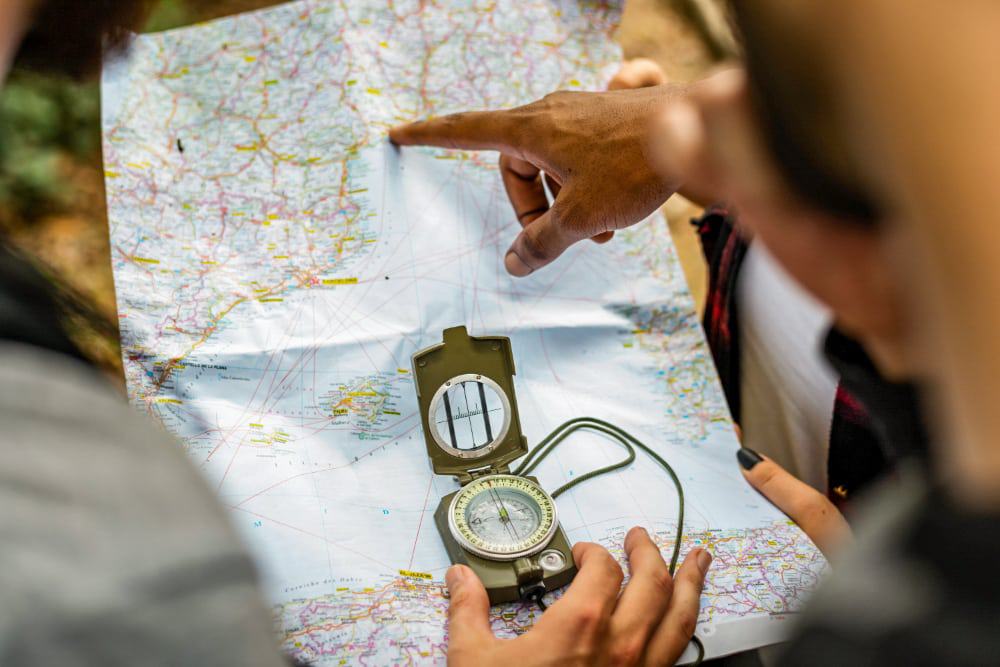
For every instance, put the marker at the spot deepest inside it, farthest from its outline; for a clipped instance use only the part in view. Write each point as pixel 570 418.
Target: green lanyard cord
pixel 630 443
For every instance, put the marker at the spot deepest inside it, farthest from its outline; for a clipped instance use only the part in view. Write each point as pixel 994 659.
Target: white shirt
pixel 787 388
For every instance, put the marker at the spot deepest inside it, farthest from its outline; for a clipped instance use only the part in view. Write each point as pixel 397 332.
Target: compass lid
pixel 465 389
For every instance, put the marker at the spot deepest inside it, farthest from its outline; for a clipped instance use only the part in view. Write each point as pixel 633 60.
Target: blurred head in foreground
pixel 70 36
pixel 773 138
pixel 861 147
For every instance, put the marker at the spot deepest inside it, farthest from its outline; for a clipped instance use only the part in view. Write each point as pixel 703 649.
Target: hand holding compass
pixel 502 531
pixel 648 623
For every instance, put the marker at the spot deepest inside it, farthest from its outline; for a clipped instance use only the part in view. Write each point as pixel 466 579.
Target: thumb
pixel 541 241
pixel 810 509
pixel 468 612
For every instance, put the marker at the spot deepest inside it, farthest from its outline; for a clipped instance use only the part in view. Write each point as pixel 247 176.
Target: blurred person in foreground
pixel 112 550
pixel 115 552
pixel 798 390
pixel 875 191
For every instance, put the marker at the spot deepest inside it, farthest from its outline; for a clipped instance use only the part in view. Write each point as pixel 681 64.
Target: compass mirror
pixel 469 416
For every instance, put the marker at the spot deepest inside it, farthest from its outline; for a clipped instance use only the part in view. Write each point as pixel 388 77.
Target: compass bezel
pixel 479 452
pixel 474 488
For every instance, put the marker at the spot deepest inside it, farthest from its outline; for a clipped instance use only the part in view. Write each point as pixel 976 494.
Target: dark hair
pixel 71 36
pixel 66 37
pixel 30 311
pixel 792 104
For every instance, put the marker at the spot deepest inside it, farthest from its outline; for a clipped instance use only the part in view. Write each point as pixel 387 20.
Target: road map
pixel 277 262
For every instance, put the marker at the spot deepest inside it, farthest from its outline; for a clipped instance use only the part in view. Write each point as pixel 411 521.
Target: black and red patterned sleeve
pixel 724 250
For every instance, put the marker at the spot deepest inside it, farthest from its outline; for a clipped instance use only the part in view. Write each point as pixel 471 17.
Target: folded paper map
pixel 277 262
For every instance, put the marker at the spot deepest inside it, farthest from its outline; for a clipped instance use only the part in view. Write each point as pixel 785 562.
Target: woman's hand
pixel 596 622
pixel 810 509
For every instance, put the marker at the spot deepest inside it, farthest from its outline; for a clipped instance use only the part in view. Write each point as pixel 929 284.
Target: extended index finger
pixel 469 130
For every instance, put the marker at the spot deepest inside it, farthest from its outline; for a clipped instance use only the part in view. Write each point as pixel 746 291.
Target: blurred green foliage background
pixel 52 192
pixel 42 123
pixel 48 124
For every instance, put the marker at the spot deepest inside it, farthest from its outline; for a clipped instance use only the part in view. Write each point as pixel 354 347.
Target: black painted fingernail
pixel 748 458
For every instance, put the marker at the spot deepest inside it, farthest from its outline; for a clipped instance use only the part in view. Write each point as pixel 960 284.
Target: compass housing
pixel 472 432
pixel 510 580
pixel 485 361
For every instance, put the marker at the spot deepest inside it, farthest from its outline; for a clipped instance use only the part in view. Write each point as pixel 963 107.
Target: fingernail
pixel 704 560
pixel 636 530
pixel 748 458
pixel 515 265
pixel 454 577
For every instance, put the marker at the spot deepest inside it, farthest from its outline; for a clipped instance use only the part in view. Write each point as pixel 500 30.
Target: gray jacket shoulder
pixel 114 550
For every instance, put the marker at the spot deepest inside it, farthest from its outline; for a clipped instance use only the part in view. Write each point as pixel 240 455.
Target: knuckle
pixel 579 656
pixel 534 247
pixel 556 108
pixel 694 579
pixel 572 217
pixel 687 621
pixel 626 652
pixel 611 566
pixel 459 600
pixel 590 620
pixel 580 549
pixel 464 654
pixel 450 124
pixel 813 509
pixel 555 98
pixel 767 476
pixel 673 646
pixel 661 580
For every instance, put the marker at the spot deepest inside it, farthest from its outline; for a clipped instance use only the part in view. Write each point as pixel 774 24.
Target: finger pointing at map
pixel 592 146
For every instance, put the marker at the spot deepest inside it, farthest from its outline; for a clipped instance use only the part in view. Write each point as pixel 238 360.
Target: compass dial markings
pixel 502 517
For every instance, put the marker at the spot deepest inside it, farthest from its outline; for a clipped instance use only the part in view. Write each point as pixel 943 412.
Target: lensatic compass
pixel 502 525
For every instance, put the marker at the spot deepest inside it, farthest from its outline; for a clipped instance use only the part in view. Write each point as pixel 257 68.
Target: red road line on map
pixel 430 484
